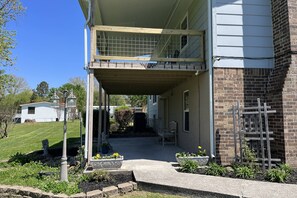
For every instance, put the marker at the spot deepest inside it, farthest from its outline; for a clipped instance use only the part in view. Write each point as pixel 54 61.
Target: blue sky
pixel 49 42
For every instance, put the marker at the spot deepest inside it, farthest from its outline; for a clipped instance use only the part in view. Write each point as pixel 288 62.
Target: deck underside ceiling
pixel 140 82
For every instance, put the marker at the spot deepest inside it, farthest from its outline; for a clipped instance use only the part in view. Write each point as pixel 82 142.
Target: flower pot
pixel 201 160
pixel 113 163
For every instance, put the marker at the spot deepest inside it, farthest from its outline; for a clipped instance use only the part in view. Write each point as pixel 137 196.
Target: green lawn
pixel 27 137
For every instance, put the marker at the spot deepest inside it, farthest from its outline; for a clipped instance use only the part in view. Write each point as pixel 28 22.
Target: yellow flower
pixel 199 147
pixel 98 156
pixel 115 155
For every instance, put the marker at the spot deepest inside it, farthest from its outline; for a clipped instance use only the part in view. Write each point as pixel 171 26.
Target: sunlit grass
pixel 27 137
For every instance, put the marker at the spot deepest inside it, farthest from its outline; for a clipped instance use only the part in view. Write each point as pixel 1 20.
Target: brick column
pixel 282 86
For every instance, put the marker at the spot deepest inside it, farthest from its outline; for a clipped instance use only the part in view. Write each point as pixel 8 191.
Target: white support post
pixel 100 117
pixel 105 114
pixel 90 107
pixel 108 108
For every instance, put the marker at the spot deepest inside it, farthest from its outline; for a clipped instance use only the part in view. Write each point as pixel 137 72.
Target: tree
pixel 42 89
pixel 138 100
pixel 117 100
pixel 9 10
pixel 18 85
pixel 78 81
pixel 79 92
pixel 6 81
pixel 7 111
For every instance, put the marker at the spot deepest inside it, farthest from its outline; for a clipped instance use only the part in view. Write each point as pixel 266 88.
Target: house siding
pixel 276 86
pixel 198 133
pixel 43 113
pixel 152 111
pixel 242 33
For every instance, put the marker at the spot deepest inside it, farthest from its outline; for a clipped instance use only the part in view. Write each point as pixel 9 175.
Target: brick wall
pixel 231 85
pixel 282 86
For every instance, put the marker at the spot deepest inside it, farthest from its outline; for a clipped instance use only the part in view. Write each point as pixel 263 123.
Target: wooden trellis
pixel 251 127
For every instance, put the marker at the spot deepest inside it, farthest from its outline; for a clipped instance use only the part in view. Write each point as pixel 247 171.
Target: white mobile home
pixel 41 112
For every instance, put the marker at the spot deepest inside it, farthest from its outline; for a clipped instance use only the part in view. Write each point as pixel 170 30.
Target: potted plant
pixel 200 157
pixel 113 161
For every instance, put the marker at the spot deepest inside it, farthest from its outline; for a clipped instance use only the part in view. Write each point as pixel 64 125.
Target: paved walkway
pixel 154 165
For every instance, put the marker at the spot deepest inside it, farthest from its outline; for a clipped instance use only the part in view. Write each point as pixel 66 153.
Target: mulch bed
pixel 114 179
pixel 292 179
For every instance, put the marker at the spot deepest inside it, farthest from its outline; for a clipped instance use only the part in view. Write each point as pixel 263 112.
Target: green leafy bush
pixel 286 168
pixel 215 170
pixel 244 172
pixel 277 175
pixel 123 115
pixel 189 166
pixel 98 176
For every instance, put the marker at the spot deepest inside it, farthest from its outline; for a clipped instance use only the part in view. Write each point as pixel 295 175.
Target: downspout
pixel 210 70
pixel 87 69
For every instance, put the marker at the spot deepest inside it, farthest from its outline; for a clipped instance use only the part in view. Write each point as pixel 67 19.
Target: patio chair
pixel 169 135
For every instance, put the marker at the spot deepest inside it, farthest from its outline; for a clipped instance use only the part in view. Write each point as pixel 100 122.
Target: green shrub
pixel 98 176
pixel 244 172
pixel 286 168
pixel 189 166
pixel 215 170
pixel 249 154
pixel 276 175
pixel 123 115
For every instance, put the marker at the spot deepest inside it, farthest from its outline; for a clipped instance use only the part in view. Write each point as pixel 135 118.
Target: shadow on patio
pixel 144 148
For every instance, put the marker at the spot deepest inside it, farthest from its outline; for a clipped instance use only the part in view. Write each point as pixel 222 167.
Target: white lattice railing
pixel 146 45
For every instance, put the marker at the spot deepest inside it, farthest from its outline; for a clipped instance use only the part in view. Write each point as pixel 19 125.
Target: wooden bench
pixel 170 134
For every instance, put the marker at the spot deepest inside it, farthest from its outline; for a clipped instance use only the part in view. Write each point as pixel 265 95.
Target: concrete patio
pixel 154 168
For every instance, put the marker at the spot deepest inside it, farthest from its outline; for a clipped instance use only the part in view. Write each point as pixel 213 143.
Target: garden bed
pixel 115 178
pixel 259 175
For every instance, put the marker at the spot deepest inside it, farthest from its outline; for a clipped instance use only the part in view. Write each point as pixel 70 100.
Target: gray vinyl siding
pixel 197 17
pixel 197 20
pixel 242 33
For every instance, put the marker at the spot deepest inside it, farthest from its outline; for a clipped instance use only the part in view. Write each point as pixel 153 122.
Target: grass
pixel 27 137
pixel 28 175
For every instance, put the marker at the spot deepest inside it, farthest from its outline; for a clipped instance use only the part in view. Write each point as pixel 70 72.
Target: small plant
pixel 97 156
pixel 189 166
pixel 116 155
pixel 112 156
pixel 99 176
pixel 277 175
pixel 244 172
pixel 249 154
pixel 215 170
pixel 286 168
pixel 201 152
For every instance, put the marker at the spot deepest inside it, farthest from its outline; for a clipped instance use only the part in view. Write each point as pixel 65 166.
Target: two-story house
pixel 199 57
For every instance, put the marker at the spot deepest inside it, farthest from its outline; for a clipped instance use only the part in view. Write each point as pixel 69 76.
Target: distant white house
pixel 40 112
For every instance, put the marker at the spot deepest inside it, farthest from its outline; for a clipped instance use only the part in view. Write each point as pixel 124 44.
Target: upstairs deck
pixel 114 47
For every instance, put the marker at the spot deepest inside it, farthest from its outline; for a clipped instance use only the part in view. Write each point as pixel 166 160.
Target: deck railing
pixel 116 44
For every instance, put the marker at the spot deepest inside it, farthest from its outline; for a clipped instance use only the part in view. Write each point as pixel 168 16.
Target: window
pixel 154 98
pixel 150 97
pixel 186 116
pixel 184 38
pixel 31 110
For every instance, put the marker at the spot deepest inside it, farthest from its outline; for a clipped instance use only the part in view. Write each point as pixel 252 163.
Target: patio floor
pixel 154 168
pixel 144 148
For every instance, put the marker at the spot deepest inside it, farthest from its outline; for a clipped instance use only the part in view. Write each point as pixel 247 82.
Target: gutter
pixel 88 81
pixel 210 70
